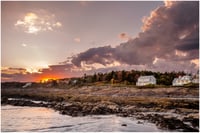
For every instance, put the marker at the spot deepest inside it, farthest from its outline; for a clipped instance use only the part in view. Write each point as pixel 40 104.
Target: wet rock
pixel 87 108
pixel 113 108
pixel 105 108
pixel 194 121
pixel 100 109
pixel 140 122
pixel 73 109
pixel 63 112
pixel 129 109
pixel 170 123
pixel 124 114
pixel 22 103
pixel 4 100
pixel 124 125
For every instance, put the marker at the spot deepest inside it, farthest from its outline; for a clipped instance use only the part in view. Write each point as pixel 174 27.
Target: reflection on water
pixel 15 118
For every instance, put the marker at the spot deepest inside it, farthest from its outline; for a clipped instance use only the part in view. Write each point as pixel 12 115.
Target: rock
pixel 105 108
pixel 4 100
pixel 124 125
pixel 99 109
pixel 63 112
pixel 73 109
pixel 129 110
pixel 139 122
pixel 170 123
pixel 113 108
pixel 124 114
pixel 193 120
pixel 87 108
pixel 57 106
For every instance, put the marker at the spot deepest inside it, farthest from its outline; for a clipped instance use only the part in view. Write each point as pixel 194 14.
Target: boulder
pixel 105 108
pixel 124 125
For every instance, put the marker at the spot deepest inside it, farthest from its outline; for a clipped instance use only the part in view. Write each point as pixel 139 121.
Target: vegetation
pixel 114 78
pixel 191 85
pixel 130 77
pixel 73 96
pixel 147 86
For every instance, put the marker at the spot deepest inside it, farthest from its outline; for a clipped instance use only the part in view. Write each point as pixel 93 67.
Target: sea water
pixel 16 118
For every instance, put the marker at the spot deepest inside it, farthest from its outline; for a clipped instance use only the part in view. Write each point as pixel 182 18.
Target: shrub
pixel 147 86
pixel 191 85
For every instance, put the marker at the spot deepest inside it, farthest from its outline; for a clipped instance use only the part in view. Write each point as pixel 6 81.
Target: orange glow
pixel 44 80
pixel 48 76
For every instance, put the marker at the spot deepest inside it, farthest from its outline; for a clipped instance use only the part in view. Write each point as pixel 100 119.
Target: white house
pixel 146 80
pixel 196 78
pixel 182 80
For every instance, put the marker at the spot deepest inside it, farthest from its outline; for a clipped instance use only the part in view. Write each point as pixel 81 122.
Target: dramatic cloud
pixel 38 21
pixel 169 41
pixel 52 72
pixel 101 55
pixel 166 65
pixel 170 34
pixel 13 74
pixel 195 62
pixel 13 70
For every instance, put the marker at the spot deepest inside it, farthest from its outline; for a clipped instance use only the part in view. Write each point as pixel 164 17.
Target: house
pixel 182 80
pixel 146 80
pixel 195 79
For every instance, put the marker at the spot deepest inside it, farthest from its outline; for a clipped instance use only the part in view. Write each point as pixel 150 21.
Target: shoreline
pixel 165 112
pixel 163 120
pixel 65 123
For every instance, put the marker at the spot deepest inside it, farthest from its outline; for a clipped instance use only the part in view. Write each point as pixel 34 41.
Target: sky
pixel 67 39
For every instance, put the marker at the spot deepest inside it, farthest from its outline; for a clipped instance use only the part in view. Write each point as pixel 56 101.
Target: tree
pixel 84 78
pixel 94 78
pixel 123 75
pixel 99 77
pixel 130 77
pixel 108 76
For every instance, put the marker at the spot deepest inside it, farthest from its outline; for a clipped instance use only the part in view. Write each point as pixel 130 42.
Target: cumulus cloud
pixel 195 62
pixel 13 74
pixel 34 22
pixel 163 65
pixel 101 55
pixel 11 70
pixel 169 41
pixel 58 71
pixel 170 33
pixel 53 71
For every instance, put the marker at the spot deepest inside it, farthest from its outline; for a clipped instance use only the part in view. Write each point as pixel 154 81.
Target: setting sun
pixel 44 80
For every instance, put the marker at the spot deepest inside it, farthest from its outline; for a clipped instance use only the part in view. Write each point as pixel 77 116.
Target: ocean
pixel 31 119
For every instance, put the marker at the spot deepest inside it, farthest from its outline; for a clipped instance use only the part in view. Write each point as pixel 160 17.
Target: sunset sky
pixel 66 39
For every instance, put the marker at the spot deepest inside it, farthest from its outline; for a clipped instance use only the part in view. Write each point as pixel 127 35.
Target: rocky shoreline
pixel 175 119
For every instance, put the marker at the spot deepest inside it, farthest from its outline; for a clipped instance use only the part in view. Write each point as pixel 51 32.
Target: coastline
pixel 166 112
